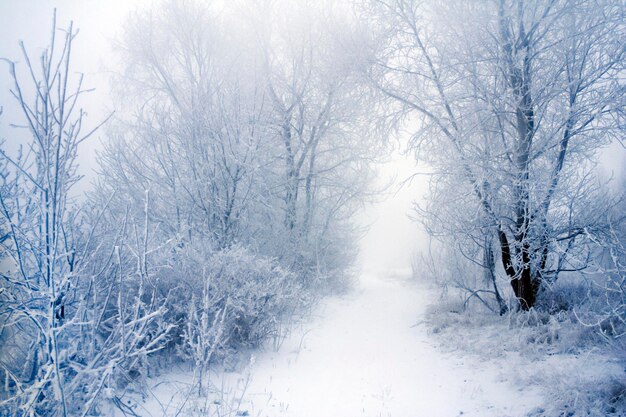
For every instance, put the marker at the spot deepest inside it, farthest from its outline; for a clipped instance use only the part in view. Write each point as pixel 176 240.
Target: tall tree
pixel 520 96
pixel 318 119
pixel 245 131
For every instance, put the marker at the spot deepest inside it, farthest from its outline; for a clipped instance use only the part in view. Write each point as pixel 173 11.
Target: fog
pixel 313 208
pixel 391 240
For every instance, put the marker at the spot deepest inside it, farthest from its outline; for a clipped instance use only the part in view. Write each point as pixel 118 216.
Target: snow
pixel 368 355
pixel 365 353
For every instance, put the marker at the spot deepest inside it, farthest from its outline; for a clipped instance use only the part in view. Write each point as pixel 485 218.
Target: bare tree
pixel 244 132
pixel 318 124
pixel 519 97
pixel 66 337
pixel 197 111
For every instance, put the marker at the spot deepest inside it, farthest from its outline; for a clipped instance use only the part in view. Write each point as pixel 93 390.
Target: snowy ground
pixel 367 353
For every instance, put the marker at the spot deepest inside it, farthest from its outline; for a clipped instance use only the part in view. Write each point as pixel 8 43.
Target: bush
pixel 226 300
pixel 253 292
pixel 221 301
pixel 548 347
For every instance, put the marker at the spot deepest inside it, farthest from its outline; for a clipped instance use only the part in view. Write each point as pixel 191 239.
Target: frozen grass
pixel 579 373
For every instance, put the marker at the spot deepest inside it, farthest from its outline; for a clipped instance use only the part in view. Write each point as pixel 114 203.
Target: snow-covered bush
pixel 77 308
pixel 248 295
pixel 611 266
pixel 222 301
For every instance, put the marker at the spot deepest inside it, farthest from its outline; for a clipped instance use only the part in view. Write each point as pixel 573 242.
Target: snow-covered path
pixel 367 354
pixel 364 354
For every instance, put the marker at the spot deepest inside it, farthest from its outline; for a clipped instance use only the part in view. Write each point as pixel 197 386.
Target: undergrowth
pixel 578 367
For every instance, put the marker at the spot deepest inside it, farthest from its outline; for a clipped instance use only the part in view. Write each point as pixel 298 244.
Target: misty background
pixel 303 208
pixel 392 238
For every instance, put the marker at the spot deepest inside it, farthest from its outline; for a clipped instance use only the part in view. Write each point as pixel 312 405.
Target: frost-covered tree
pixel 194 133
pixel 319 127
pixel 514 99
pixel 256 137
pixel 68 324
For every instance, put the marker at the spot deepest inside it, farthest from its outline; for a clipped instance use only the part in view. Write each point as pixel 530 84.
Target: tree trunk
pixel 490 267
pixel 525 286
